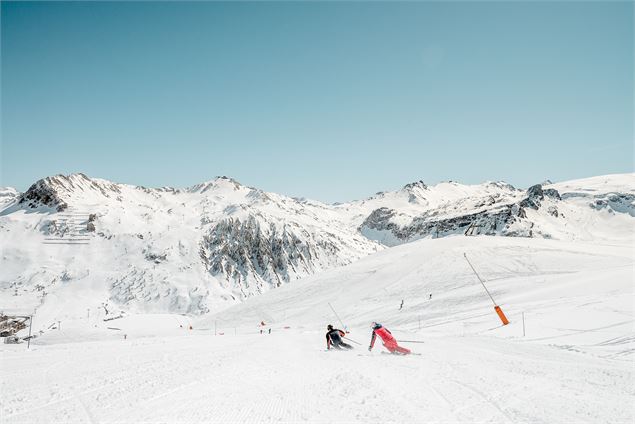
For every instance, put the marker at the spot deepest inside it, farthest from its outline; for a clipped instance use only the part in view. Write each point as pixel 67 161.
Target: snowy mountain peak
pixel 415 185
pixel 221 182
pixel 196 249
pixel 56 191
pixel 501 185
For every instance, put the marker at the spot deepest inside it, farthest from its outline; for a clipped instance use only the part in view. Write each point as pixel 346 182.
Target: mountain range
pixel 124 248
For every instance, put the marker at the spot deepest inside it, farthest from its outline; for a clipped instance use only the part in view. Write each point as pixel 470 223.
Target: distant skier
pixel 334 338
pixel 387 339
pixel 401 306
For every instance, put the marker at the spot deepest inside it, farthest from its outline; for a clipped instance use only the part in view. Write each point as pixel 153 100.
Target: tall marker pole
pixel 338 317
pixel 28 344
pixel 523 324
pixel 497 308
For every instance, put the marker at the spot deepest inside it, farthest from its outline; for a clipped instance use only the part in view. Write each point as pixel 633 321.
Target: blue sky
pixel 332 101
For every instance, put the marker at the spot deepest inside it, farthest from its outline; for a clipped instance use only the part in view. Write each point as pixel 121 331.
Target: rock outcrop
pixel 255 255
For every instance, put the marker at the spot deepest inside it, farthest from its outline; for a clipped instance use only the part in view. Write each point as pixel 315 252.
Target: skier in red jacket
pixel 387 339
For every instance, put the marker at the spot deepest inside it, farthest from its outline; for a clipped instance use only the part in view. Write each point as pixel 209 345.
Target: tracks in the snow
pixel 286 378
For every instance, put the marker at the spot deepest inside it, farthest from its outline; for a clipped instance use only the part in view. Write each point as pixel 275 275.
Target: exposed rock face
pixel 53 228
pixel 486 222
pixel 187 250
pixel 552 193
pixel 156 257
pixel 55 192
pixel 492 215
pixel 244 253
pixel 615 202
pixel 43 194
pixel 534 196
pixel 90 225
pixel 417 184
pixel 379 219
pixel 416 192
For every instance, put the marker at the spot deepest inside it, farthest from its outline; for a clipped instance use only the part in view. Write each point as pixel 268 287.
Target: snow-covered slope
pixel 560 211
pixel 560 285
pixel 8 195
pixel 72 243
pixel 569 360
pixel 164 249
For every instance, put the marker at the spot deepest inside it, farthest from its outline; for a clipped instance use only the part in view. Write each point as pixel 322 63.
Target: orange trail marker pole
pixel 497 308
pixel 501 315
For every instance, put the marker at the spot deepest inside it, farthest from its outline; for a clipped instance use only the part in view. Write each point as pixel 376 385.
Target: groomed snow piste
pixel 574 362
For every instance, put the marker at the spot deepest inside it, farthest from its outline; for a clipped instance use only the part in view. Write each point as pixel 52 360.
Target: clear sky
pixel 332 101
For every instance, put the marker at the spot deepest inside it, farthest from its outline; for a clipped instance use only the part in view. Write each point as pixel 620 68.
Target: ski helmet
pixel 376 325
pixel 329 327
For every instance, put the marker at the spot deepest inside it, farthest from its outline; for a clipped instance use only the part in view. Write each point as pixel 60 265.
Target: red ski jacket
pixel 386 337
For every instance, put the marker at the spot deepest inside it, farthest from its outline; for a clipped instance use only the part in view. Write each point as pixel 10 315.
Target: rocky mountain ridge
pixel 201 248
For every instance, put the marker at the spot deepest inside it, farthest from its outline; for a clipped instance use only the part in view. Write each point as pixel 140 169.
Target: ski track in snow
pixel 287 377
pixel 574 365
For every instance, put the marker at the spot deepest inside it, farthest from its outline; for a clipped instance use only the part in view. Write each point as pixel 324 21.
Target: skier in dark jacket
pixel 334 338
pixel 387 338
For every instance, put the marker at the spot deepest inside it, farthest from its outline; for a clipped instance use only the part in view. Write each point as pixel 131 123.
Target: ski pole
pixel 410 341
pixel 338 317
pixel 349 339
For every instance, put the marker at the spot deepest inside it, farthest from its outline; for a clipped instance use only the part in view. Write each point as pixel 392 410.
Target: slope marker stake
pixel 338 317
pixel 497 308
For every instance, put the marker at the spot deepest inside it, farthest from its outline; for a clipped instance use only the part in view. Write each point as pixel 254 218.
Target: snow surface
pixel 8 195
pixel 207 247
pixel 145 253
pixel 573 364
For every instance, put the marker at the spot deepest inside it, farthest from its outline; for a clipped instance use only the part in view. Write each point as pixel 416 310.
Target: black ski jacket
pixel 334 337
